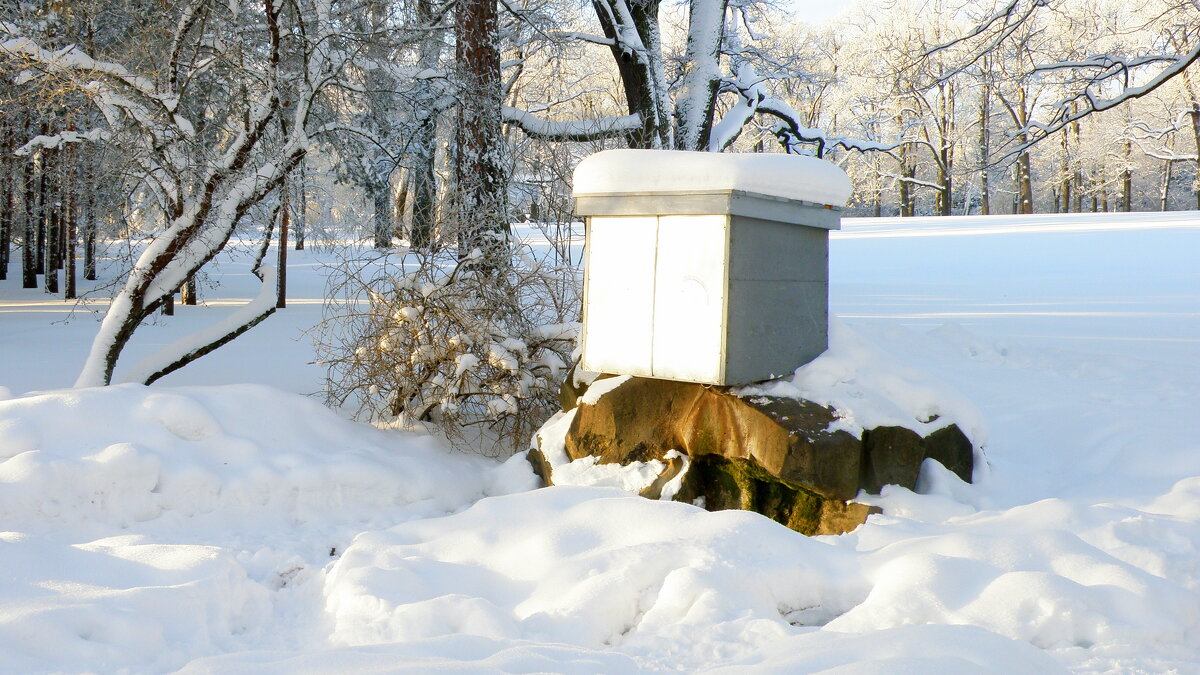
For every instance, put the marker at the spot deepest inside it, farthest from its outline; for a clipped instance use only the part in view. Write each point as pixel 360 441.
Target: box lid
pixel 791 177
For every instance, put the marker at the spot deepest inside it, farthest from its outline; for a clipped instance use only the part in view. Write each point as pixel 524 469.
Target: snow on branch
pixel 1093 83
pixel 60 139
pixel 755 99
pixel 72 59
pixel 581 37
pixel 571 130
pixel 1001 24
pixel 195 345
pixel 1092 100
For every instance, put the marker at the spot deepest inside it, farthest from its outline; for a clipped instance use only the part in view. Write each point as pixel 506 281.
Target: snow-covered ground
pixel 244 528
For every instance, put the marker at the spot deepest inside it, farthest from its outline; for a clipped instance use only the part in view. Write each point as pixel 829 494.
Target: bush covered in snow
pixel 480 352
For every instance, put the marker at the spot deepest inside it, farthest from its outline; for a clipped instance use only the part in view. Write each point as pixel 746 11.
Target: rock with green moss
pixel 782 457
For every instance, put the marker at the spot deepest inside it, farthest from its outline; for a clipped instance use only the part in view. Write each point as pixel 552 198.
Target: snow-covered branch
pixel 791 130
pixel 582 37
pixel 207 340
pixel 571 130
pixel 60 139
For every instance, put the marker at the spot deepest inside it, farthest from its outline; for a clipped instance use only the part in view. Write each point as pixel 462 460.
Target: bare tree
pixel 207 157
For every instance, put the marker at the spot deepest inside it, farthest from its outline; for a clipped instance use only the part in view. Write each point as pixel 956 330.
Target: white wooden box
pixel 717 284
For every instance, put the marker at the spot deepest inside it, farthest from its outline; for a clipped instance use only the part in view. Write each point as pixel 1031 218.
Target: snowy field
pixel 220 523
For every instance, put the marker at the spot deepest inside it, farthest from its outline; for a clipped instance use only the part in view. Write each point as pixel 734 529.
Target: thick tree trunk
pixel 702 74
pixel 639 66
pixel 481 181
pixel 422 173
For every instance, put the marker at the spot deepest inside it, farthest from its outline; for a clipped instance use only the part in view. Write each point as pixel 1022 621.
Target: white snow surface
pixel 243 528
pixel 647 171
pixel 868 388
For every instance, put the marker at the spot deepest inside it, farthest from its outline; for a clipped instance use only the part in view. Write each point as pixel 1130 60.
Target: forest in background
pixel 152 134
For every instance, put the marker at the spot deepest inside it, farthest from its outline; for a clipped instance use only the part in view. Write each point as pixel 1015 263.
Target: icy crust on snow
pixel 641 171
pixel 869 388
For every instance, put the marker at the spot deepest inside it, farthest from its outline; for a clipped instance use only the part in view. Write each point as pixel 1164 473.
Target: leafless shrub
pixel 479 352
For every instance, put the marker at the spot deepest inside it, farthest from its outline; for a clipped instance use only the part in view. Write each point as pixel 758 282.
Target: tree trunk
pixel 384 224
pixel 281 276
pixel 424 188
pixel 6 224
pixel 422 172
pixel 946 149
pixel 1166 185
pixel 1076 171
pixel 189 295
pixel 261 255
pixel 1127 179
pixel 904 189
pixel 72 225
pixel 8 206
pixel 481 182
pixel 43 209
pixel 701 77
pixel 1195 115
pixel 89 239
pixel 52 218
pixel 1025 181
pixel 28 247
pixel 639 66
pixel 985 117
pixel 301 207
pixel 1065 176
pixel 8 194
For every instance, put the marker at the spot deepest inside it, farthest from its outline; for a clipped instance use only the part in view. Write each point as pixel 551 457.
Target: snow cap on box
pixel 796 177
